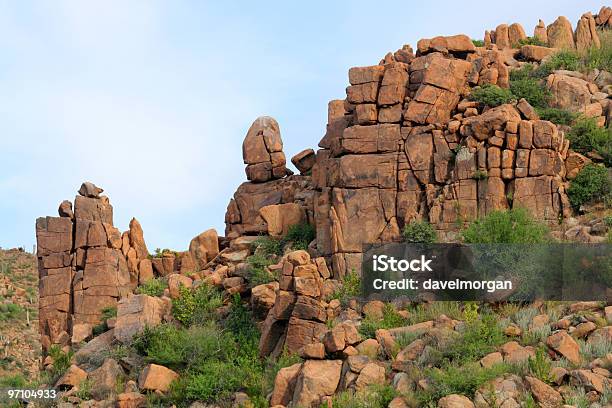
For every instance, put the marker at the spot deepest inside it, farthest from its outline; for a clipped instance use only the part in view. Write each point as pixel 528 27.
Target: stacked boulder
pixel 262 151
pixel 81 267
pixel 504 160
pixel 298 315
pixel 268 186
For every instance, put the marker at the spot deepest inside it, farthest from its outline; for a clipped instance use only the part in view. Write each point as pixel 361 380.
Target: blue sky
pixel 151 99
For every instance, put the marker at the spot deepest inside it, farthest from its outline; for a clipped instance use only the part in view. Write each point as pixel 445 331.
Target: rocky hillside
pixel 505 139
pixel 19 345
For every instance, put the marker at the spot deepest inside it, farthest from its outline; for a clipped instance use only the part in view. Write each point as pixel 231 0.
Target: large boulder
pixel 204 247
pixel 105 379
pixel 317 379
pixel 560 34
pixel 569 92
pixel 586 33
pixel 156 378
pixel 136 312
pixel 279 217
pixel 284 385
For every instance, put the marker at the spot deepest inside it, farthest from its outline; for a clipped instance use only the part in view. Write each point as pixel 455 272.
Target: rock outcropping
pixel 81 267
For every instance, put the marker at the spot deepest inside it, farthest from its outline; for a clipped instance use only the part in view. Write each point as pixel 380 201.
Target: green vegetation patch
pixel 514 226
pixel 420 232
pixel 586 136
pixel 593 182
pixel 491 95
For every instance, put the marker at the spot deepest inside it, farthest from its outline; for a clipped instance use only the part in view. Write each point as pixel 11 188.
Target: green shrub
pixel 513 226
pixel 300 235
pixel 586 136
pixel 429 311
pixel 532 41
pixel 491 95
pixel 540 366
pixel 567 59
pixel 525 72
pixel 182 348
pixel 258 272
pixel 419 232
pixel 107 313
pixel 153 287
pixel 463 380
pixel 532 90
pixel 591 183
pixel 214 361
pixel 268 246
pixel 478 43
pixel 13 381
pixel 196 306
pixel 61 361
pixel 378 396
pixel 480 337
pixel 351 288
pixel 391 318
pixel 557 116
pixel 10 311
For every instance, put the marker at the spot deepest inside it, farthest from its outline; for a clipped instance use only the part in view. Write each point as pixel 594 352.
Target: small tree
pixel 420 232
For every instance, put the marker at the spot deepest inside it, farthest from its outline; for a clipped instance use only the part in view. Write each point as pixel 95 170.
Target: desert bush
pixel 540 366
pixel 350 288
pixel 478 43
pixel 532 90
pixel 391 319
pixel 299 236
pixel 591 183
pixel 514 226
pixel 61 361
pixel 429 311
pixel 378 396
pixel 595 349
pixel 566 59
pixel 258 272
pixel 196 306
pixel 557 116
pixel 586 136
pixel 153 287
pixel 268 246
pixel 532 41
pixel 463 380
pixel 480 337
pixel 13 381
pixel 107 313
pixel 182 348
pixel 9 311
pixel 491 95
pixel 420 232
